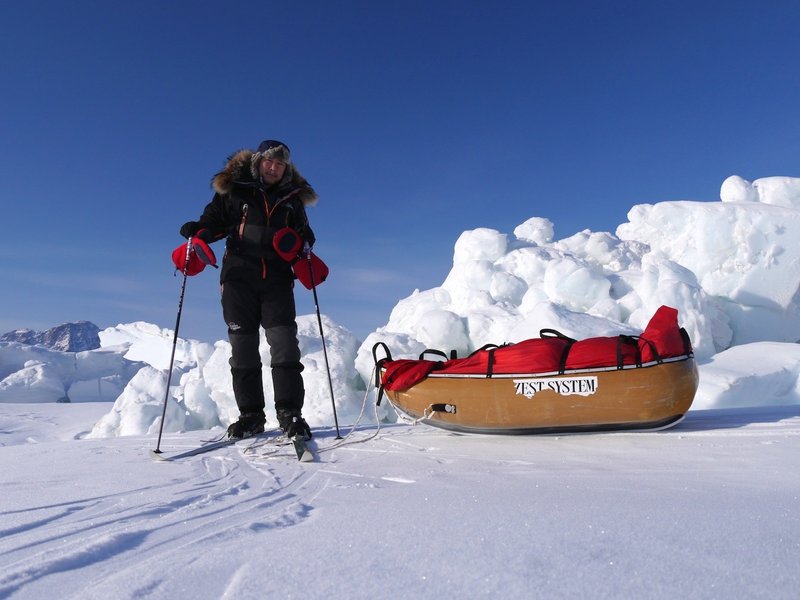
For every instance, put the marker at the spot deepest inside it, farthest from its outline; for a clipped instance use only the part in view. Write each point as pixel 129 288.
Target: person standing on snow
pixel 258 195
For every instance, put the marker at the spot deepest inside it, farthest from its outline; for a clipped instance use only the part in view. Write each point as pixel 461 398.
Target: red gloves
pixel 193 256
pixel 307 266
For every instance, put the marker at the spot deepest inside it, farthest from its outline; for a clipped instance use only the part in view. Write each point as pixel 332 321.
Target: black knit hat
pixel 275 150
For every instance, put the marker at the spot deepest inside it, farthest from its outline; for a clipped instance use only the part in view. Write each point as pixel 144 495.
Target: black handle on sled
pixel 434 352
pixel 554 333
pixel 378 365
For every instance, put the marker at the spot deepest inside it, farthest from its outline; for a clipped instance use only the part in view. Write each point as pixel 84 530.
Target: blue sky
pixel 413 120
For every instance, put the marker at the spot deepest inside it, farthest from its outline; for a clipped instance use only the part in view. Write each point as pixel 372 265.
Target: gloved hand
pixel 189 229
pixel 196 230
pixel 192 266
pixel 287 244
pixel 199 255
pixel 311 271
pixel 202 250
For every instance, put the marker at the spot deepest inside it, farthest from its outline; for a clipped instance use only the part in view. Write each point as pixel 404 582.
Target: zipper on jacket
pixel 268 214
pixel 267 210
pixel 244 220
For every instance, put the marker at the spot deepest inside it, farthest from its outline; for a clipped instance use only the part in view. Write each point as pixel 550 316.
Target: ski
pixel 204 448
pixel 304 453
pixel 301 448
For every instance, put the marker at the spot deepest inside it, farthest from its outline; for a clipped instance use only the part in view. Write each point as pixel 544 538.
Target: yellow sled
pixel 651 396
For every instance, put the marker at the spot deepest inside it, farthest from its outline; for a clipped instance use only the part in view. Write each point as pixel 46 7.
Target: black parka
pixel 249 214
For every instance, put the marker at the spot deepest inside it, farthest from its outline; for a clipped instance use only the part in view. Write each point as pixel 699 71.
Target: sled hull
pixel 648 397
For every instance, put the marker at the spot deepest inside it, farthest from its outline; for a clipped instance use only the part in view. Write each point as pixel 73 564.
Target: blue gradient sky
pixel 413 120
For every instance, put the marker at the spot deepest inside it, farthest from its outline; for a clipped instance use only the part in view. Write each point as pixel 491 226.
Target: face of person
pixel 271 170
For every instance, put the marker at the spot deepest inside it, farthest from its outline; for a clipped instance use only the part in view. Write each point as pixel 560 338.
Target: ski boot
pixel 293 424
pixel 249 424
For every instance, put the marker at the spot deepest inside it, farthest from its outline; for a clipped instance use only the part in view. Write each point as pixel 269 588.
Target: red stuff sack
pixel 402 374
pixel 662 338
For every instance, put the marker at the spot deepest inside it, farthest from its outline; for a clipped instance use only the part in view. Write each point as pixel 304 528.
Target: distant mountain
pixel 69 337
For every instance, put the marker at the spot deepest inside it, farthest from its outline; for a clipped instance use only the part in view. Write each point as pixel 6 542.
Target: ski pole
pixel 322 337
pixel 174 343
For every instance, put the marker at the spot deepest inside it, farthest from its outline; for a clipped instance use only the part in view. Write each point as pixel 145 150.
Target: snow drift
pixel 730 267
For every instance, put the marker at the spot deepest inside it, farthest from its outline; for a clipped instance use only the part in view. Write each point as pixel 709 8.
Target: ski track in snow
pixel 130 540
pixel 218 498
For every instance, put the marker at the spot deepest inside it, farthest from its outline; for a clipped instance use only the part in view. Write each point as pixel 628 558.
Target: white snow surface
pixel 707 509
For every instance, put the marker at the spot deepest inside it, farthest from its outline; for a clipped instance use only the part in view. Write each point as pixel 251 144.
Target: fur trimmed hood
pixel 242 168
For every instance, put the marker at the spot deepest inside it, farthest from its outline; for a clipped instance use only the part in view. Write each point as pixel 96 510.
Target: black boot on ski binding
pixel 293 424
pixel 248 424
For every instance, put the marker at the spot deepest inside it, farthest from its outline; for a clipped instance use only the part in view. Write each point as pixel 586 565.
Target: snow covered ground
pixel 707 509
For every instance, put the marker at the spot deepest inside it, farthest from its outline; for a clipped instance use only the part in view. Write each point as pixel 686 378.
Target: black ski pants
pixel 246 306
